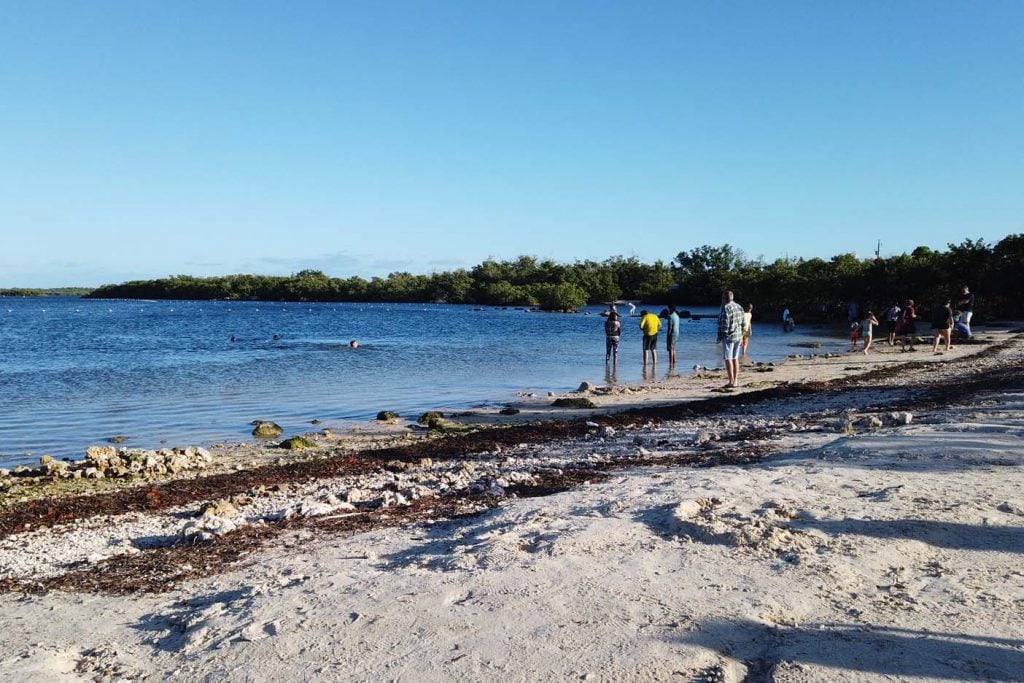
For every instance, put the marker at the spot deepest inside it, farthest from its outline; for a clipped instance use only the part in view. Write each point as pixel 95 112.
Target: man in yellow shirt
pixel 650 324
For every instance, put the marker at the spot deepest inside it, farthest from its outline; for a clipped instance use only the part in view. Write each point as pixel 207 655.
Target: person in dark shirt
pixel 906 330
pixel 942 325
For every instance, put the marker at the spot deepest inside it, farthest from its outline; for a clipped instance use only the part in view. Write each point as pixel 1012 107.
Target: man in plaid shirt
pixel 730 335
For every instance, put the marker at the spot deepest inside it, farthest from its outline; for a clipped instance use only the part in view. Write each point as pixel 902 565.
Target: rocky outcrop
pixel 574 403
pixel 107 462
pixel 266 430
pixel 296 443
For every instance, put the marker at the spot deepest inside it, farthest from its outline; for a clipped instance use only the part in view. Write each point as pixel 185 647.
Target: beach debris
pixel 1011 507
pixel 607 432
pixel 296 443
pixel 573 403
pixel 208 526
pixel 266 430
pixel 387 416
pixel 899 418
pixel 430 415
pixel 509 411
pixel 223 508
pixel 584 388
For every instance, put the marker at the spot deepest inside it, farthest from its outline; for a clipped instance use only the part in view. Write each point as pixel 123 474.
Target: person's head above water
pixel 353 344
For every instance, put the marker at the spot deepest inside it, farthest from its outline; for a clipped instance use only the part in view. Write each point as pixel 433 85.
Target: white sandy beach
pixel 875 541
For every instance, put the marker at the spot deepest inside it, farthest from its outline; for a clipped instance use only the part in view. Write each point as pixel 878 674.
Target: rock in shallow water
pixel 267 430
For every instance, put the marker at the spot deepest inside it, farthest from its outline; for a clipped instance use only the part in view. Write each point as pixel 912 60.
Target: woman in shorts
pixel 942 325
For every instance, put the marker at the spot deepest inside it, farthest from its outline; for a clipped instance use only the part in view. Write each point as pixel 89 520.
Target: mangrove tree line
pixel 810 287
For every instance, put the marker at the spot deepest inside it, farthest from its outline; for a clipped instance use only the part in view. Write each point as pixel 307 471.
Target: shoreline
pixel 751 529
pixel 25 482
pixel 170 411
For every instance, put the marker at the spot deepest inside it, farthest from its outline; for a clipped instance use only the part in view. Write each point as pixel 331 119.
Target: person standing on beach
pixel 730 336
pixel 966 307
pixel 892 319
pixel 612 332
pixel 942 326
pixel 672 335
pixel 650 325
pixel 907 328
pixel 748 326
pixel 867 329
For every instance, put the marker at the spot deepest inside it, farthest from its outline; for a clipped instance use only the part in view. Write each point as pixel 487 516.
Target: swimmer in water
pixel 353 344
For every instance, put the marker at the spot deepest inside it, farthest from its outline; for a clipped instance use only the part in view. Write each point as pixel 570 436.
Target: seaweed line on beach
pixel 161 569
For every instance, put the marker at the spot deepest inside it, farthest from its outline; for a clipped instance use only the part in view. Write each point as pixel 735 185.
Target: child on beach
pixel 867 327
pixel 854 335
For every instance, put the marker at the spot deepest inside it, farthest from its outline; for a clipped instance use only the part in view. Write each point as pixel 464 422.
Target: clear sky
pixel 141 139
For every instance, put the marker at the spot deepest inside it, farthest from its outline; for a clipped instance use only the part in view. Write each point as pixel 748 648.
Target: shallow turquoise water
pixel 74 372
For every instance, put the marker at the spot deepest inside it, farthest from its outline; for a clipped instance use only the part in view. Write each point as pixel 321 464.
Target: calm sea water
pixel 77 371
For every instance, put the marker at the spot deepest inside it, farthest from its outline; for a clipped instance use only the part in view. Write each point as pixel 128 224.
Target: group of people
pixel 650 325
pixel 734 330
pixel 901 323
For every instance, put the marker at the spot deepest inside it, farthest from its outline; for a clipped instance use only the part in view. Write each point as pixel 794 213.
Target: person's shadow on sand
pixel 882 651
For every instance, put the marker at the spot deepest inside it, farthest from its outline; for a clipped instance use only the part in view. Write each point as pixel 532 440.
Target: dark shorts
pixel 650 342
pixel 670 344
pixel 891 326
pixel 611 345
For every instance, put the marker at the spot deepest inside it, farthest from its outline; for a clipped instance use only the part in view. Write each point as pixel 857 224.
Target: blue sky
pixel 143 139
